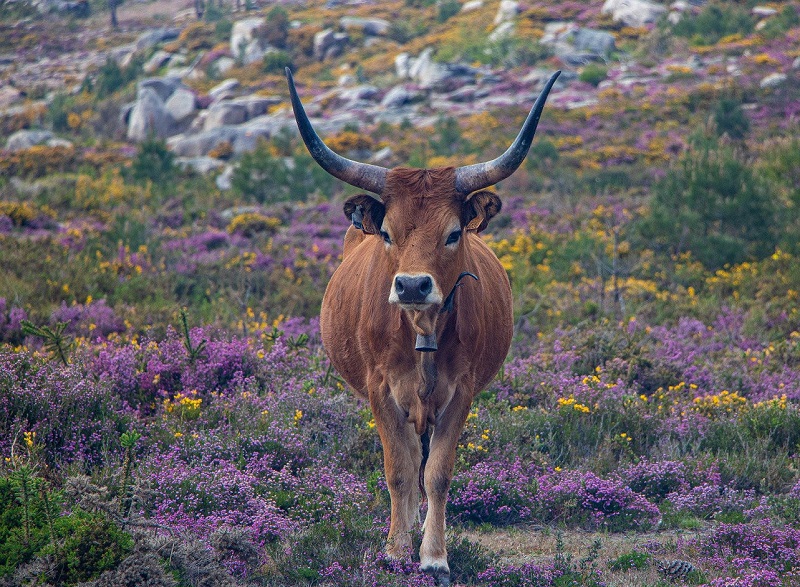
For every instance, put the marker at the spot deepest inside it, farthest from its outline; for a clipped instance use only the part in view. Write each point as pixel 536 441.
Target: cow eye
pixel 453 237
pixel 386 238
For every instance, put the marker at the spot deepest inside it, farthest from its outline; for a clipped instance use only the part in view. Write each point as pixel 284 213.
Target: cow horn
pixel 361 175
pixel 472 178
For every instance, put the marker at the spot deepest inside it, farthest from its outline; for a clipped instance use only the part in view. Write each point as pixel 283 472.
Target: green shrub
pixel 715 205
pixel 447 9
pixel 266 178
pixel 715 21
pixel 730 119
pixel 154 162
pixel 593 74
pixel 631 560
pixel 277 61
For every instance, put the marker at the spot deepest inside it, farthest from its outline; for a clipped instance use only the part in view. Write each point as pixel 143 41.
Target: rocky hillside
pixel 635 72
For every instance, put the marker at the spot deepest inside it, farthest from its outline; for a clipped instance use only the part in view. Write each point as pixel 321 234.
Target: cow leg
pixel 438 473
pixel 402 455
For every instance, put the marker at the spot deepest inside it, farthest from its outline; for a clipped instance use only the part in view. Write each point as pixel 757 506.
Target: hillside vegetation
pixel 167 413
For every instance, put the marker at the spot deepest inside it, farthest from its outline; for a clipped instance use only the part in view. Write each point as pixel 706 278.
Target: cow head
pixel 422 215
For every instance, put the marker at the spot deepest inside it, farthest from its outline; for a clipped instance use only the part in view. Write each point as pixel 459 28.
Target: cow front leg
pixel 402 456
pixel 438 473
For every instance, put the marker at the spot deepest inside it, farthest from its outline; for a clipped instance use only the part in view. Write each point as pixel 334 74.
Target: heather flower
pixel 495 492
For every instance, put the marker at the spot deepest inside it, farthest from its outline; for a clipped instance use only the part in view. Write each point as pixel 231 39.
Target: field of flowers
pixel 168 416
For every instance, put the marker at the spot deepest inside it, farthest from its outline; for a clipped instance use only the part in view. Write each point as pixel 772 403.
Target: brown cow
pixel 405 257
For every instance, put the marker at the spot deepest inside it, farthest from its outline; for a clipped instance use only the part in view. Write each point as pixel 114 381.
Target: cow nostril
pixel 398 285
pixel 425 286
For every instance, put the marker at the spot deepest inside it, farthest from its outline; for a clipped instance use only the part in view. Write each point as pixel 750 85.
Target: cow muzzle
pixel 415 291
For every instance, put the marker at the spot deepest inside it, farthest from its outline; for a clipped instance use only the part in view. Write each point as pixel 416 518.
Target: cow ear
pixel 479 209
pixel 365 212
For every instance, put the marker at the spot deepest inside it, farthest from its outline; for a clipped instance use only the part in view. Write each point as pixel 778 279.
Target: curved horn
pixel 361 175
pixel 472 178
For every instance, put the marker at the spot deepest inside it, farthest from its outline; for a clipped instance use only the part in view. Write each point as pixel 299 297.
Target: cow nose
pixel 413 289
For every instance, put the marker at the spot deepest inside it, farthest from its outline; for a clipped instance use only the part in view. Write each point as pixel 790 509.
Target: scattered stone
pixel 224 88
pixel 369 26
pixel 225 113
pixel 256 105
pixel 402 65
pixel 8 96
pixel 154 37
pixel 159 59
pixel 56 142
pixel 773 80
pixel 503 30
pixel 594 42
pixel 441 76
pixel 400 96
pixel 763 11
pixel 222 65
pixel 471 5
pixel 633 13
pixel 149 117
pixel 796 63
pixel 329 44
pixel 382 157
pixel 200 164
pixel 182 104
pixel 242 35
pixel 223 180
pixel 25 139
pixel 199 145
pixel 162 86
pixel 508 10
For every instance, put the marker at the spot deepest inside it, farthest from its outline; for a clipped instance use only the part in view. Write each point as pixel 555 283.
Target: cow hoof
pixel 441 575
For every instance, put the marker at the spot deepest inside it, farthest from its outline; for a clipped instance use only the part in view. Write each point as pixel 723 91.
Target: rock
pixel 402 65
pixel 222 65
pixel 599 43
pixel 773 80
pixel 359 94
pixel 56 142
pixel 163 86
pixel 225 113
pixel 25 139
pixel 679 6
pixel 508 10
pixel 763 11
pixel 329 44
pixel 200 144
pixel 796 63
pixel 633 13
pixel 182 104
pixel 254 52
pixel 223 88
pixel 369 26
pixel 149 117
pixel 471 5
pixel 154 37
pixel 503 30
pixel 202 164
pixel 431 74
pixel 158 59
pixel 256 105
pixel 242 35
pixel 224 179
pixel 400 96
pixel 382 157
pixel 8 96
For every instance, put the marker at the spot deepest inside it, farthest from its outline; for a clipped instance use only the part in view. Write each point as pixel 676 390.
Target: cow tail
pixel 425 438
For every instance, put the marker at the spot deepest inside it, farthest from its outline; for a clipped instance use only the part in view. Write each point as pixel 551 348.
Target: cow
pixel 418 317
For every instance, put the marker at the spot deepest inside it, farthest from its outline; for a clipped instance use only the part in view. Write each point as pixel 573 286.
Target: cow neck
pixel 427 343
